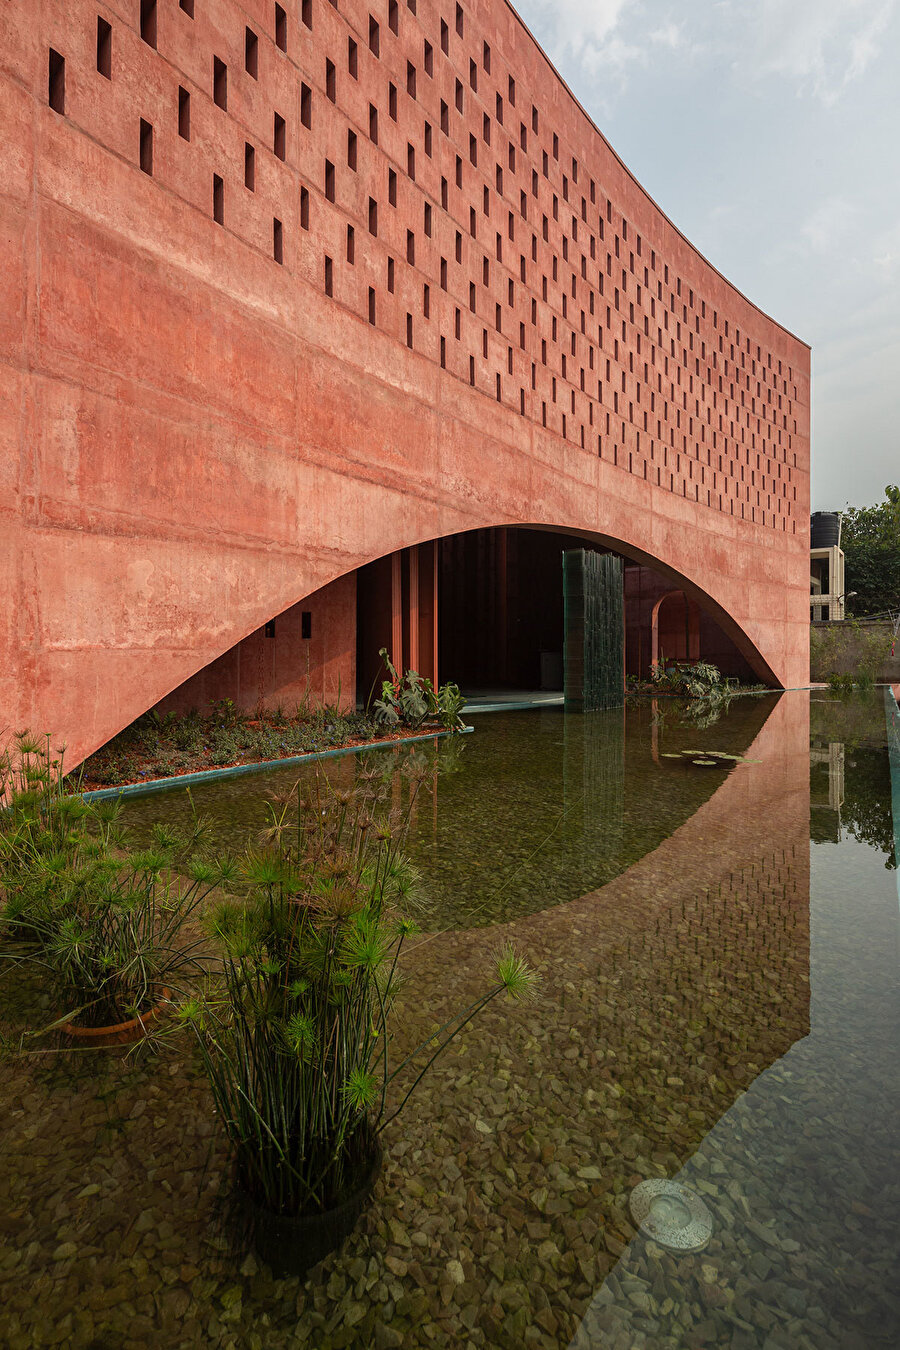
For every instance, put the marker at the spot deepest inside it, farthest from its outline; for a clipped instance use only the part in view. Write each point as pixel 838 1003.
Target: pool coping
pixel 258 766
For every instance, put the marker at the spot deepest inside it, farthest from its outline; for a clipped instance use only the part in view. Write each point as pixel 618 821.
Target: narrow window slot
pixel 351 244
pixel 146 150
pixel 374 37
pixel 280 28
pixel 57 82
pixel 104 48
pixel 251 53
pixel 304 208
pixel 148 22
pixel 351 150
pixel 306 624
pixel 329 277
pixel 330 81
pixel 372 305
pixel 352 58
pixel 279 143
pixel 220 83
pixel 277 240
pixel 249 167
pixel 218 200
pixel 184 113
pixel 329 181
pixel 306 105
pixel 306 13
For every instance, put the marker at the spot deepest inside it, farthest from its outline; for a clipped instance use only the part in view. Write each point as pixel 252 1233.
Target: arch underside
pixel 323 646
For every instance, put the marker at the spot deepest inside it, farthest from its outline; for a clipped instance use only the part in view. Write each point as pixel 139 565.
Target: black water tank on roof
pixel 825 529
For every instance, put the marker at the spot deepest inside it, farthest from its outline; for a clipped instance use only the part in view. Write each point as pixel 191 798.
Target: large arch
pixel 197 434
pixel 324 646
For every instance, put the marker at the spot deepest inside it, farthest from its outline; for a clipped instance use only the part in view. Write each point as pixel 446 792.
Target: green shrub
pixel 106 924
pixel 409 699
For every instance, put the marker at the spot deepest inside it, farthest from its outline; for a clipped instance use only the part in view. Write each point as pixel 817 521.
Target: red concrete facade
pixel 284 289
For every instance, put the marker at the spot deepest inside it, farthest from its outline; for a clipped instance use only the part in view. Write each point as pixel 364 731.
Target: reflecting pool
pixel 719 947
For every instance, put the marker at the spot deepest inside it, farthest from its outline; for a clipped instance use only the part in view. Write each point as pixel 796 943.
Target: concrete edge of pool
pixel 260 766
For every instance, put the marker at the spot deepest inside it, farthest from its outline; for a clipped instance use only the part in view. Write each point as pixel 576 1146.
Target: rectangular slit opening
pixel 104 48
pixel 148 22
pixel 329 277
pixel 249 167
pixel 220 83
pixel 251 53
pixel 218 200
pixel 277 241
pixel 57 82
pixel 184 114
pixel 280 137
pixel 146 151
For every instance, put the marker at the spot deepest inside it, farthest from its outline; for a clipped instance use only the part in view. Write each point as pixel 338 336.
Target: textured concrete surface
pixel 195 436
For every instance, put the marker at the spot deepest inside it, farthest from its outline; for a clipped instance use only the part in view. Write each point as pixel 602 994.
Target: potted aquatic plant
pixel 108 925
pixel 296 1036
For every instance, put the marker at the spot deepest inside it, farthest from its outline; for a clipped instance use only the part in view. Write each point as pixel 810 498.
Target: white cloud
pixel 669 35
pixel 584 32
pixel 820 45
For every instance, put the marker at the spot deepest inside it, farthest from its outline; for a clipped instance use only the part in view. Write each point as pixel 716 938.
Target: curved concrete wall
pixel 196 436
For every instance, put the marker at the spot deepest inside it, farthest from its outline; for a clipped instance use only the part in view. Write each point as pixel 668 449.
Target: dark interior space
pixel 491 603
pixel 501 608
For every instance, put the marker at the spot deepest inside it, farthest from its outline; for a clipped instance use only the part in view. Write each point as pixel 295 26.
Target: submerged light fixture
pixel 671 1214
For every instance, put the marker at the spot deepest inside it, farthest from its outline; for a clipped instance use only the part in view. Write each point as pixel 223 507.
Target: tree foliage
pixel 870 538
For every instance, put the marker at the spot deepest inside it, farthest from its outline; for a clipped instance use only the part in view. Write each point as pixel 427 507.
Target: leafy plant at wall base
pixel 296 1036
pixel 411 698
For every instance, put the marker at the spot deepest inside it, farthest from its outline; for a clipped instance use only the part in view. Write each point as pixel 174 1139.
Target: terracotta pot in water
pixel 122 1033
pixel 293 1245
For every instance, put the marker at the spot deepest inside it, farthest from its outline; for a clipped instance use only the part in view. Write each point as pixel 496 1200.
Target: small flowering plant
pixel 296 1038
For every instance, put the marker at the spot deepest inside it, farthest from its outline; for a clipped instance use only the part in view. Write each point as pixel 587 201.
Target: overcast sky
pixel 769 132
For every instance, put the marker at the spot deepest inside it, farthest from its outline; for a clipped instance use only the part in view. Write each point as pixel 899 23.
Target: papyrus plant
pixel 296 1037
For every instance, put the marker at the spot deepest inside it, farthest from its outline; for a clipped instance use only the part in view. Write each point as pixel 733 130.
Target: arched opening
pixel 483 608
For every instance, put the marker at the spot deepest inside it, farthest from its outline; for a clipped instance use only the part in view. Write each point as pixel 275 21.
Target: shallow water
pixel 720 1004
pixel 532 810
